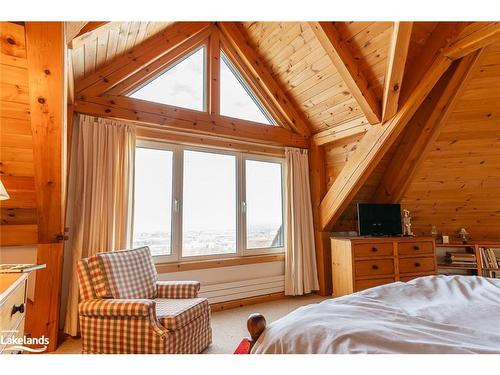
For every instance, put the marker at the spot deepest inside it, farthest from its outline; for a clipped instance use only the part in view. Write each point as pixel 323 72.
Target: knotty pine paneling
pixel 98 47
pixel 295 57
pixel 459 183
pixel 18 214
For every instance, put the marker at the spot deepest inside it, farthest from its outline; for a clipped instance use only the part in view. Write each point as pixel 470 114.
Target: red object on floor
pixel 243 347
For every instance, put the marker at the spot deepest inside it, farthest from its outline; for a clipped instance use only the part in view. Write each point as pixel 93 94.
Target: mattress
pixel 433 314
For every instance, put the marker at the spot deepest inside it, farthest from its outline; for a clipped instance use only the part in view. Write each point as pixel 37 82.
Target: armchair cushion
pixel 177 289
pixel 124 274
pixel 174 314
pixel 115 308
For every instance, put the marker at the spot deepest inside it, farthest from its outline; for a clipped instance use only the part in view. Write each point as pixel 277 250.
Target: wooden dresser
pixel 12 306
pixel 359 263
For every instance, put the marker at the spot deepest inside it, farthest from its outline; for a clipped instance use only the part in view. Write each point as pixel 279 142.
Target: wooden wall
pixel 458 185
pixel 18 214
pixel 31 159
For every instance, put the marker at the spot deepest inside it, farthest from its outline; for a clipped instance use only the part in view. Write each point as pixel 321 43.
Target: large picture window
pixel 153 200
pixel 193 203
pixel 209 204
pixel 264 206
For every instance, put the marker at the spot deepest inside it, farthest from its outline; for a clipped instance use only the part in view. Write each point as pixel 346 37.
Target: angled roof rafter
pixel 379 138
pixel 372 147
pixel 424 129
pixel 250 64
pixel 158 66
pixel 134 60
pixel 439 38
pixel 396 61
pixel 349 69
pixel 475 36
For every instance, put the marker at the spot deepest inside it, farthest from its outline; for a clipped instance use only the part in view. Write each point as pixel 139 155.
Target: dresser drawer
pixel 409 278
pixel 8 320
pixel 370 283
pixel 374 267
pixel 416 265
pixel 373 249
pixel 17 332
pixel 415 248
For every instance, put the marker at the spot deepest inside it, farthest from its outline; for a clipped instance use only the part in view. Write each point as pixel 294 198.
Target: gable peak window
pixel 237 99
pixel 181 85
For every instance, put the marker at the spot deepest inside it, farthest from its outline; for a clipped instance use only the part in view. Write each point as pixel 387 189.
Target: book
pixel 20 268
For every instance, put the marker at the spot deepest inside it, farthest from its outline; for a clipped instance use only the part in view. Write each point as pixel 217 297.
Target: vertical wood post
pixel 45 55
pixel 321 239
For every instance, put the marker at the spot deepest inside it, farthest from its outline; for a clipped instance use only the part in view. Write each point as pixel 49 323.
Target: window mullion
pixel 242 205
pixel 177 240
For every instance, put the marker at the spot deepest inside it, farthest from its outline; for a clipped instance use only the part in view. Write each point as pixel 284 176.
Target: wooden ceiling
pixel 96 48
pixel 463 161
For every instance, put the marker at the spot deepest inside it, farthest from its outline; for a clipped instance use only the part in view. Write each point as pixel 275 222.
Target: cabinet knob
pixel 416 247
pixel 374 249
pixel 374 267
pixel 17 308
pixel 417 264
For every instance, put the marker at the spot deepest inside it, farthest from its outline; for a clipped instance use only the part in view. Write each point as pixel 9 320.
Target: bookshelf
pixel 470 248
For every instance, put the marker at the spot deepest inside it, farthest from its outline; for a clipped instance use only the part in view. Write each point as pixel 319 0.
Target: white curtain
pixel 100 186
pixel 300 260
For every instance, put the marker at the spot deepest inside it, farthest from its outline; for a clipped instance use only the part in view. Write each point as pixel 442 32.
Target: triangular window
pixel 181 85
pixel 236 98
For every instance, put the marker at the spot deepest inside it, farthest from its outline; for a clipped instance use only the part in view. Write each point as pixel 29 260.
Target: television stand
pixel 364 262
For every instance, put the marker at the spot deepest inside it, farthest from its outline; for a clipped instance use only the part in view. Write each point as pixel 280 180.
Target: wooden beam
pixel 349 69
pixel 424 129
pixel 321 239
pixel 89 27
pixel 396 61
pixel 475 36
pixel 150 71
pixel 344 130
pixel 213 141
pixel 174 118
pixel 45 54
pixel 373 146
pixel 45 51
pixel 275 94
pixel 124 66
pixel 213 88
pixel 73 29
pixel 441 36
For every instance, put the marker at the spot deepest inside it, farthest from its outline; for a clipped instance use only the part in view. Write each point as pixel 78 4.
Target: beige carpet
pixel 228 327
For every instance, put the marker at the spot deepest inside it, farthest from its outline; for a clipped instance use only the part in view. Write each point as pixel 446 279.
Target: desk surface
pixel 9 282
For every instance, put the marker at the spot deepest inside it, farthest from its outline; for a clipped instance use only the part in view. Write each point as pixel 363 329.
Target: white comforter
pixel 434 314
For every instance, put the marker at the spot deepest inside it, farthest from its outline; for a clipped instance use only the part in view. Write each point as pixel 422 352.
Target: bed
pixel 433 314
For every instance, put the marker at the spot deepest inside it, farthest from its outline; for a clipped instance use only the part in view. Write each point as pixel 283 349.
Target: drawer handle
pixel 416 247
pixel 17 308
pixel 417 264
pixel 374 249
pixel 374 267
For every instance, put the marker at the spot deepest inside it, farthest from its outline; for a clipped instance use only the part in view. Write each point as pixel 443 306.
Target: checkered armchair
pixel 124 309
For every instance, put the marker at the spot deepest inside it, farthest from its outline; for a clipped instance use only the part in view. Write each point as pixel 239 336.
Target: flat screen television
pixel 379 219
